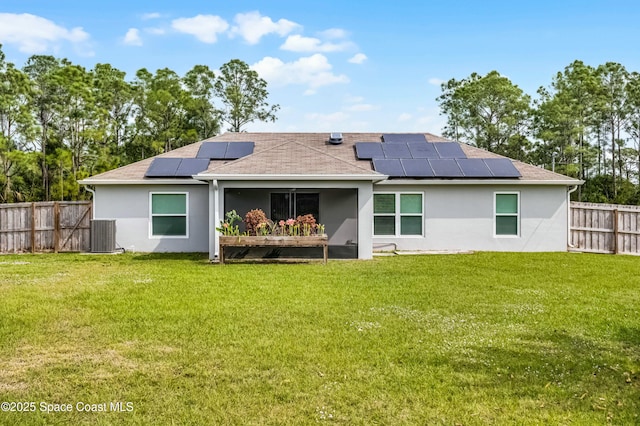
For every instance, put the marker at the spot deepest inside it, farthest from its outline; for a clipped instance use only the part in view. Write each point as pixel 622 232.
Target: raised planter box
pixel 274 241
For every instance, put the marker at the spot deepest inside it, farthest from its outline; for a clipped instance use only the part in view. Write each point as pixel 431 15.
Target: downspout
pixel 93 201
pixel 569 192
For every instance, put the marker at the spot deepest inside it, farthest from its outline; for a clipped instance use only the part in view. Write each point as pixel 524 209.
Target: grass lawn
pixel 487 338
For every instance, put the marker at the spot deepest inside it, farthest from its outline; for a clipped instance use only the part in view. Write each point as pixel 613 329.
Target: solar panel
pixel 449 150
pixel 502 167
pixel 445 168
pixel 389 167
pixel 192 166
pixel 416 167
pixel 474 168
pixel 368 150
pixel 212 150
pixel 403 137
pixel 423 150
pixel 163 167
pixel 396 150
pixel 237 150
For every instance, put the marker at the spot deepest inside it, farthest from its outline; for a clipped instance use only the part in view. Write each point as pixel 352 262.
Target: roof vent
pixel 335 138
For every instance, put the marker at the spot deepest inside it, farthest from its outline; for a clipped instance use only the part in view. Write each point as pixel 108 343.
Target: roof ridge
pixel 246 157
pixel 332 156
pixel 264 151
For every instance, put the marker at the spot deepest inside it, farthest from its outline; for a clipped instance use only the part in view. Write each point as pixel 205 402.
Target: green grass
pixel 479 339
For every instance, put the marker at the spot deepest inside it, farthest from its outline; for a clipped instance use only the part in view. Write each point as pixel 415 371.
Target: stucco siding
pixel 129 206
pixel 458 217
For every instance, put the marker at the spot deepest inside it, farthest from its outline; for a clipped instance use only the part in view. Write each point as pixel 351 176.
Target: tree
pixel 244 96
pixel 614 110
pixel 16 123
pixel 201 112
pixel 564 116
pixel 114 100
pixel 633 124
pixel 160 113
pixel 41 70
pixel 487 111
pixel 76 125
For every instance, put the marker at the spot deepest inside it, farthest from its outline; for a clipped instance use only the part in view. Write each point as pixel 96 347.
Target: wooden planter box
pixel 274 241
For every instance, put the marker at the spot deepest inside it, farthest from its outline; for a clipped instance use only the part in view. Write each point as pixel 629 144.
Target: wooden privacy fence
pixel 56 226
pixel 605 228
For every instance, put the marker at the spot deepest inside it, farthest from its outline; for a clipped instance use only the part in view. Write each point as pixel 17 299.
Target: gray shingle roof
pixel 300 154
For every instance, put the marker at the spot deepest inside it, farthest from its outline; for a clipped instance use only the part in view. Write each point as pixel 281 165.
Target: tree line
pixel 60 122
pixel 584 124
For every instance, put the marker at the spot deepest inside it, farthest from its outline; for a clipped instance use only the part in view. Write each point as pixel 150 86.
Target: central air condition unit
pixel 103 236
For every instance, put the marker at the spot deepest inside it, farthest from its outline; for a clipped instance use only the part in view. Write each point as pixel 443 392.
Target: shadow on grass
pixel 630 336
pixel 559 371
pixel 195 257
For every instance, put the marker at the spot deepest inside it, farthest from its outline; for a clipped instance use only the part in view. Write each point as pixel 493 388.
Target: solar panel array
pixel 176 167
pixel 371 150
pixel 403 137
pixel 225 150
pixel 446 167
pixel 412 156
pixel 186 167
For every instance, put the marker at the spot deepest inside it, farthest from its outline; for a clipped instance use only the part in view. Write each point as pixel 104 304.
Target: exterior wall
pixel 456 217
pixel 129 206
pixel 459 217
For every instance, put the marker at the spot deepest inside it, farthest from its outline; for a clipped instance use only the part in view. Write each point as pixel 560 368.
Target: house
pixel 372 191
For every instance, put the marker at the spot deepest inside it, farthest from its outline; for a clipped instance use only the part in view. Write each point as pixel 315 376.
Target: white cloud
pixel 353 99
pixel 358 58
pixel 334 33
pixel 298 43
pixel 252 26
pixel 313 71
pixel 132 38
pixel 34 34
pixel 155 30
pixel 362 108
pixel 203 27
pixel 323 119
pixel 436 81
pixel 405 116
pixel 148 16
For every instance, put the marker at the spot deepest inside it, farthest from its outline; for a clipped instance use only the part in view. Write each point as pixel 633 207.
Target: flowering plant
pixel 256 223
pixel 227 226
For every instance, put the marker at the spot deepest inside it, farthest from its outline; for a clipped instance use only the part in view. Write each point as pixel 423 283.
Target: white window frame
pixel 399 215
pixel 496 214
pixel 152 215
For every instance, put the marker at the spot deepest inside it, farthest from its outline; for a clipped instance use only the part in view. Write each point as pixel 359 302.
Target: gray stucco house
pixel 372 191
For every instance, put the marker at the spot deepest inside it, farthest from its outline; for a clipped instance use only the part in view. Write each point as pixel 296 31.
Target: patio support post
pixel 365 220
pixel 214 200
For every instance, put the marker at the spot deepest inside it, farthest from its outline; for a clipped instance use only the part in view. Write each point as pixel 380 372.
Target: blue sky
pixel 334 65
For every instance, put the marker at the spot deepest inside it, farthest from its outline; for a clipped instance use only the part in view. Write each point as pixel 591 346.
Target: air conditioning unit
pixel 103 236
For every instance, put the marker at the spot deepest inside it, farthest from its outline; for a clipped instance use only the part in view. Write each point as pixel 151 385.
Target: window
pixel 397 214
pixel 286 205
pixel 169 214
pixel 507 208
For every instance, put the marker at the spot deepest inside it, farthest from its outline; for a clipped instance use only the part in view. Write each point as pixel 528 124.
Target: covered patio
pixel 344 208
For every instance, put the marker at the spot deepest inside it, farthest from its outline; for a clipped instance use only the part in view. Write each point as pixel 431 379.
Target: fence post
pixel 615 231
pixel 56 226
pixel 33 227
